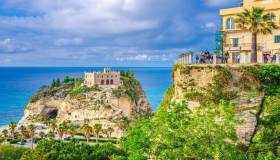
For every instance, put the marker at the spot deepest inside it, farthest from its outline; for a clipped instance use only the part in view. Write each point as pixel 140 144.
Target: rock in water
pixel 71 101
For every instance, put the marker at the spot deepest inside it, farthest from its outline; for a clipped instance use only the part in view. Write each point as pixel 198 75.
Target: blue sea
pixel 17 84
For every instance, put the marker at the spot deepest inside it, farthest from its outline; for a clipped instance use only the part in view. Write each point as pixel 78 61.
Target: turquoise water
pixel 18 84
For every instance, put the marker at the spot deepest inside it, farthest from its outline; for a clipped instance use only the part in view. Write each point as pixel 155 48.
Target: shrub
pixel 72 150
pixel 9 152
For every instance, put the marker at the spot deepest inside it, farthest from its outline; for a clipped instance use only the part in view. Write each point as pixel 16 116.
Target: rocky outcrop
pixel 202 84
pixel 93 106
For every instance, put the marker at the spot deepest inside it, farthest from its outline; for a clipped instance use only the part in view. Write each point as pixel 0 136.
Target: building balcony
pixel 240 47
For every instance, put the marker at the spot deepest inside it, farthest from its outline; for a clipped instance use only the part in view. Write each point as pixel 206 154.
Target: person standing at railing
pixel 226 57
pixel 197 59
pixel 237 59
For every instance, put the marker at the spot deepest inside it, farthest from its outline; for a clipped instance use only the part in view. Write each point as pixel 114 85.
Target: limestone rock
pixel 193 82
pixel 94 106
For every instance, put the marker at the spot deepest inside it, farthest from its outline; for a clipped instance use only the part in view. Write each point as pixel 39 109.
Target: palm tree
pixel 110 130
pixel 61 130
pixel 53 125
pixel 72 131
pixel 97 129
pixel 5 132
pixel 31 129
pixel 256 22
pixel 87 129
pixel 42 135
pixel 2 139
pixel 51 135
pixel 123 125
pixel 12 128
pixel 23 132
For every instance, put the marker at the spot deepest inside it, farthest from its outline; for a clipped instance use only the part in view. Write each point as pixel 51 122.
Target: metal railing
pixel 241 46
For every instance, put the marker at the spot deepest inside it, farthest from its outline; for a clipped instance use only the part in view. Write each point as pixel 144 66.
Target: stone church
pixel 107 78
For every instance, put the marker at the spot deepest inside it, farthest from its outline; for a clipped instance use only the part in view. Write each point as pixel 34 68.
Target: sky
pixel 134 33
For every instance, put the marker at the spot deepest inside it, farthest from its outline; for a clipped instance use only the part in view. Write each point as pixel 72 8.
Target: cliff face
pixel 201 84
pixel 78 104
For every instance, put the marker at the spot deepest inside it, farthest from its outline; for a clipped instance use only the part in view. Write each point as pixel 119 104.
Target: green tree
pixel 72 131
pixel 62 128
pixel 9 152
pixel 51 135
pixel 53 125
pixel 23 132
pixel 123 124
pixel 5 132
pixel 110 130
pixel 42 134
pixel 257 22
pixel 176 132
pixel 72 150
pixel 137 142
pixel 2 139
pixel 87 130
pixel 12 128
pixel 97 128
pixel 31 130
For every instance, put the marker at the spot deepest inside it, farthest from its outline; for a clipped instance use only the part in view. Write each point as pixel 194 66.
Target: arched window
pixel 102 82
pixel 107 82
pixel 272 17
pixel 230 23
pixel 112 81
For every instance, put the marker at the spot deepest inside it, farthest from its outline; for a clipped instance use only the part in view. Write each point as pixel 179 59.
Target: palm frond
pixel 255 21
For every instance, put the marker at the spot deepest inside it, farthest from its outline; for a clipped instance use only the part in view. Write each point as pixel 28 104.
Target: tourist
pixel 274 59
pixel 197 59
pixel 265 59
pixel 226 57
pixel 201 57
pixel 237 59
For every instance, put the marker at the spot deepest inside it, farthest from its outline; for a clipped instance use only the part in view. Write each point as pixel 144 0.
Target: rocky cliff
pixel 71 101
pixel 243 86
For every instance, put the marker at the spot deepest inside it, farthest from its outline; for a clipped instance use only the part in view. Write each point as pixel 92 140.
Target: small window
pixel 230 23
pixel 272 17
pixel 277 39
pixel 235 42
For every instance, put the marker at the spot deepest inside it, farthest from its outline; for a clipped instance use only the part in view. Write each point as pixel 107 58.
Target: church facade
pixel 107 78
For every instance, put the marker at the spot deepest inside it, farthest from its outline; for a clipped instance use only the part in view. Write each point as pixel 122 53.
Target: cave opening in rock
pixel 52 114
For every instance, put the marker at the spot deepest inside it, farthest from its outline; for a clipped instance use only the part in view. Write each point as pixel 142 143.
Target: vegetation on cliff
pixel 57 88
pixel 62 150
pixel 181 130
pixel 73 86
pixel 208 131
pixel 130 87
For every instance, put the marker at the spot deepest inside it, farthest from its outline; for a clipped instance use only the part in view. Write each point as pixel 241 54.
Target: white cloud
pixel 168 55
pixel 127 32
pixel 12 46
pixel 220 2
pixel 6 60
pixel 210 26
pixel 68 41
pixel 85 16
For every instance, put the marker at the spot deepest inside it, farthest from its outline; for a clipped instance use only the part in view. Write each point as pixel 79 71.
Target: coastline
pixel 3 127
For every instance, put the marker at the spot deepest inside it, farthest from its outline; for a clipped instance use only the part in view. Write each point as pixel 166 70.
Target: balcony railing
pixel 241 46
